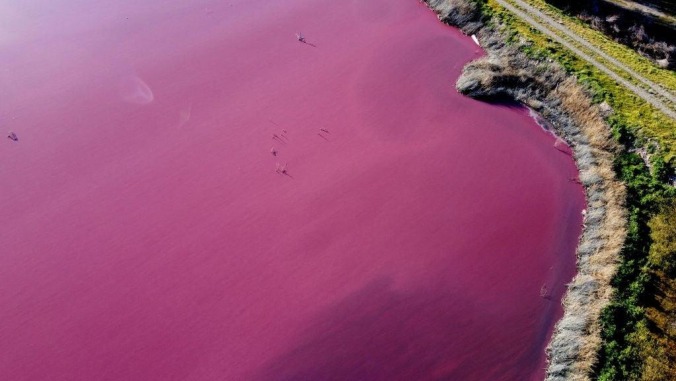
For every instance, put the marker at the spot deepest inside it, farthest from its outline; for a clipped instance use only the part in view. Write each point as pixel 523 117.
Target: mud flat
pixel 195 194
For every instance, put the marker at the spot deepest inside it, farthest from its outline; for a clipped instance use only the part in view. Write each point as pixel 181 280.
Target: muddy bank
pixel 506 72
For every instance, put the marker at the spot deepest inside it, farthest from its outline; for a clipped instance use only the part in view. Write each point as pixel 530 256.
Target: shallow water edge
pixel 567 108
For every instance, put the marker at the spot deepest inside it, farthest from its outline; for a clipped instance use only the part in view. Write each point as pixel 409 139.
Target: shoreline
pixel 567 108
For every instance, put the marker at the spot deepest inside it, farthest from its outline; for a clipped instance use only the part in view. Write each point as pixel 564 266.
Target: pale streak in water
pixel 134 90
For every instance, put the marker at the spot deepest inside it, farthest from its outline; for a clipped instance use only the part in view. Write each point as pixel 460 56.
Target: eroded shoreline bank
pixel 506 72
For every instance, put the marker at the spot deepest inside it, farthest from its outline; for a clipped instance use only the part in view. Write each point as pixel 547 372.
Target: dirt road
pixel 653 93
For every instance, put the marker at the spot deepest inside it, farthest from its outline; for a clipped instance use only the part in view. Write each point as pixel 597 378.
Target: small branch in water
pixel 302 39
pixel 282 169
pixel 278 138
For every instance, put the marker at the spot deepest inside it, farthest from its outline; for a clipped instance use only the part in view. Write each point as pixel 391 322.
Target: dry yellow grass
pixel 658 340
pixel 612 230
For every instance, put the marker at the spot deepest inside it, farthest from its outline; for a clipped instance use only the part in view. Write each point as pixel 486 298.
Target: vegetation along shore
pixel 620 317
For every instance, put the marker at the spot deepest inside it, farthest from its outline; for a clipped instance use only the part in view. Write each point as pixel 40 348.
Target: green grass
pixel 624 322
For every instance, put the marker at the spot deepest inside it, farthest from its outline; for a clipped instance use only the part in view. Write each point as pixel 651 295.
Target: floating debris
pixel 302 39
pixel 282 169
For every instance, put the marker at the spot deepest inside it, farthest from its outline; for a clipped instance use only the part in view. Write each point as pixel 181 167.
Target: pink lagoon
pixel 197 195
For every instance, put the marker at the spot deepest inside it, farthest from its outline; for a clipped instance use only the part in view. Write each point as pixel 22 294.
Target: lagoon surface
pixel 197 195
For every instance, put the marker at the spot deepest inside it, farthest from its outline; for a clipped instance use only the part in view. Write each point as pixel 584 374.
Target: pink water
pixel 146 235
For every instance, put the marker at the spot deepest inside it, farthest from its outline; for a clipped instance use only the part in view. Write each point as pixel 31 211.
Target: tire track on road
pixel 650 98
